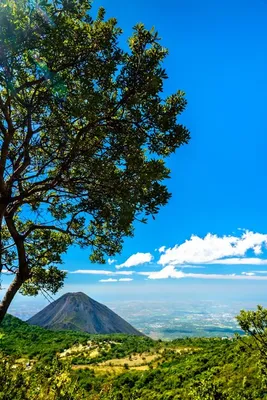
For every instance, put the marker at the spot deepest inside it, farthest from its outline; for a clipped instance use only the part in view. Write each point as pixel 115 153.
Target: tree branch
pixel 19 242
pixel 45 227
pixel 11 291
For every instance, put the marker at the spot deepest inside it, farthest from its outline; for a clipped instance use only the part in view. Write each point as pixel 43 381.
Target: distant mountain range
pixel 78 312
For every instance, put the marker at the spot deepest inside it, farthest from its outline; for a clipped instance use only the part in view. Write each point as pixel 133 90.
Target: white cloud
pixel 248 273
pixel 257 250
pixel 240 261
pixel 100 272
pixel 230 276
pixel 166 272
pixel 162 249
pixel 260 272
pixel 136 259
pixel 109 280
pixel 146 273
pixel 125 279
pixel 92 272
pixel 171 272
pixel 214 249
pixel 110 261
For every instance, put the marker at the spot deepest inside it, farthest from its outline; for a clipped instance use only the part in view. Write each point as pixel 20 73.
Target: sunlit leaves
pixel 47 280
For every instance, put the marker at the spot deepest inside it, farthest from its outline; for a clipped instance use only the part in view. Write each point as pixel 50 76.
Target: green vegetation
pixel 39 382
pixel 84 133
pixel 39 363
pixel 26 341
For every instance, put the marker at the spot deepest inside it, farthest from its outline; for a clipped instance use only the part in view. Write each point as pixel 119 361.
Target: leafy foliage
pixel 84 131
pixel 254 324
pixel 42 381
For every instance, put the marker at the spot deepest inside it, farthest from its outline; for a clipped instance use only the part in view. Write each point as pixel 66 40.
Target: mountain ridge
pixel 77 311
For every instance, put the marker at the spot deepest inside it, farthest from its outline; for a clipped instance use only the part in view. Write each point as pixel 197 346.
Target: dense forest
pixel 38 363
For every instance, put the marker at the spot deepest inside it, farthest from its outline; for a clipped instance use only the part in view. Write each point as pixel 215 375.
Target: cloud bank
pixel 196 253
pixel 213 249
pixel 171 272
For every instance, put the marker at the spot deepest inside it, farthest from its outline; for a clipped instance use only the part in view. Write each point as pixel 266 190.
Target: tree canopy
pixel 84 131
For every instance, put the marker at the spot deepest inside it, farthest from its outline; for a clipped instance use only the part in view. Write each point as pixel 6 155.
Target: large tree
pixel 84 131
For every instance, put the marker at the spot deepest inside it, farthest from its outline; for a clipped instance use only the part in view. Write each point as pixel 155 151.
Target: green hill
pixel 124 367
pixel 23 340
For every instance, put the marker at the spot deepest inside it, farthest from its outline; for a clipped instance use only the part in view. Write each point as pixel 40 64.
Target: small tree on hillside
pixel 84 131
pixel 254 324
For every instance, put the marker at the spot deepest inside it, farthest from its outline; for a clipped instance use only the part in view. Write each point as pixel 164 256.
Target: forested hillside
pixel 42 364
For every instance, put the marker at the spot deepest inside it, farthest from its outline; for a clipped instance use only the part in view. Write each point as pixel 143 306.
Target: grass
pixel 136 361
pixel 133 360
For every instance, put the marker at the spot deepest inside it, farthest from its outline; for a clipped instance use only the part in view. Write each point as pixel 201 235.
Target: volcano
pixel 78 312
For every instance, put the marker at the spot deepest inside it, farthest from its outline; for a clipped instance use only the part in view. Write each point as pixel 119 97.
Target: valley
pixel 170 320
pixel 167 320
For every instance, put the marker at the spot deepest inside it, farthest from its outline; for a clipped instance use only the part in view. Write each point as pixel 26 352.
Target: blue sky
pixel 218 56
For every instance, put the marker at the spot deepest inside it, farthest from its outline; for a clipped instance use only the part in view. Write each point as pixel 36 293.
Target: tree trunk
pixel 11 291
